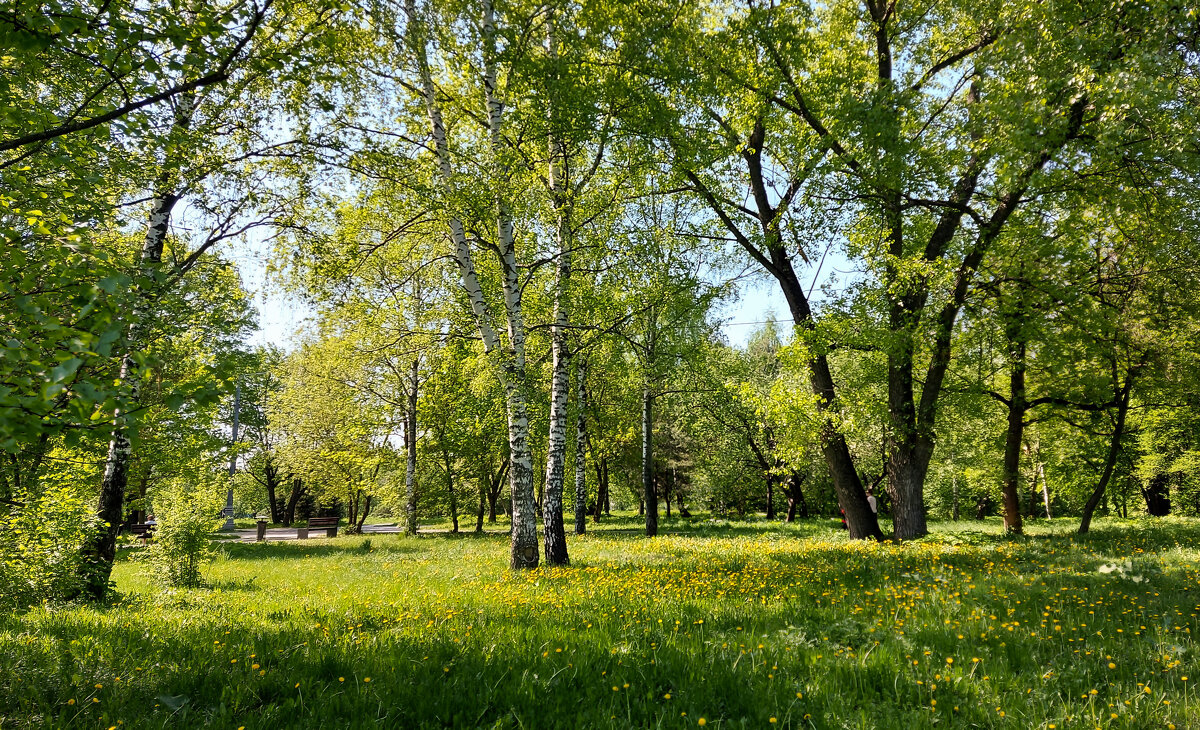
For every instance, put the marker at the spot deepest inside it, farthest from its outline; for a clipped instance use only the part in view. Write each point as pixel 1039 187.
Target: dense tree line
pixel 518 224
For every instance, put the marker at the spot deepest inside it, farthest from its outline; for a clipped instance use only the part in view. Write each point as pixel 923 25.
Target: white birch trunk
pixel 556 448
pixel 524 513
pixel 110 506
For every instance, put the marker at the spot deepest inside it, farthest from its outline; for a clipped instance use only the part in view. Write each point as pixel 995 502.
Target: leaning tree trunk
pixel 410 447
pixel 366 510
pixel 581 450
pixel 1114 451
pixel 101 550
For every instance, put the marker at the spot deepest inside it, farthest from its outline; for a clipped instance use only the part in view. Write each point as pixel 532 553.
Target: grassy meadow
pixel 716 624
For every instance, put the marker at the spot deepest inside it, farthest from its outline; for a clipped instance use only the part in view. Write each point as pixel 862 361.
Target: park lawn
pixel 720 624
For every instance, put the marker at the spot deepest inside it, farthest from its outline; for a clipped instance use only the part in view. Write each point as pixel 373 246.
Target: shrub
pixel 188 512
pixel 41 544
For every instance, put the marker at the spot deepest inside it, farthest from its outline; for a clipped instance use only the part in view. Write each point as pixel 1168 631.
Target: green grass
pixel 733 622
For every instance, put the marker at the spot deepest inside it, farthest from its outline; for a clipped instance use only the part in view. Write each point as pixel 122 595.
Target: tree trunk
pixel 271 480
pixel 410 447
pixel 289 513
pixel 495 485
pixel 101 550
pixel 1041 473
pixel 524 548
pixel 601 486
pixel 1158 495
pixel 607 491
pixel 1114 451
pixel 352 513
pixel 482 506
pixel 554 531
pixel 649 493
pixel 366 510
pixel 450 490
pixel 668 482
pixel 795 495
pixel 1016 430
pixel 852 498
pixel 770 497
pixel 581 449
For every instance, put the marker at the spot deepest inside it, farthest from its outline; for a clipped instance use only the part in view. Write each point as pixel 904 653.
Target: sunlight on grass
pixel 742 624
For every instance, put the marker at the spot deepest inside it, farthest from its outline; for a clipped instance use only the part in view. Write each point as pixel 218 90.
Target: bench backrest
pixel 323 521
pixel 140 528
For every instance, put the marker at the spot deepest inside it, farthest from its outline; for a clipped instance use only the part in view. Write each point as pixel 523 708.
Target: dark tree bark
pixel 1017 406
pixel 1114 451
pixel 366 510
pixel 450 490
pixel 495 486
pixel 581 449
pixel 482 507
pixel 683 511
pixel 289 512
pixel 795 496
pixel 649 493
pixel 668 482
pixel 601 467
pixel 1158 495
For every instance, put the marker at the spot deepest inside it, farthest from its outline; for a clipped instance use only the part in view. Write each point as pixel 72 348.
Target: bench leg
pixel 301 533
pixel 331 532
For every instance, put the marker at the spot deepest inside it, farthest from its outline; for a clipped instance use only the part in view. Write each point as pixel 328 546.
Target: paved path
pixel 289 533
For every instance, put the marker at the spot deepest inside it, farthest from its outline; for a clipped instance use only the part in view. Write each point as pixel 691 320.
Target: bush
pixel 188 513
pixel 41 546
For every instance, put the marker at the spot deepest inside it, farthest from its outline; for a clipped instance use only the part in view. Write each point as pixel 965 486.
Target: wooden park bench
pixel 143 531
pixel 329 524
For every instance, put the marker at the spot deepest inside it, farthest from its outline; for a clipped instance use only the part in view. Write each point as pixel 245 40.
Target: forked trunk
pixel 289 512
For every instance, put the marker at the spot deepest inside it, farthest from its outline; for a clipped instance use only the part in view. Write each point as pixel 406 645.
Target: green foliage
pixel 188 511
pixel 41 537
